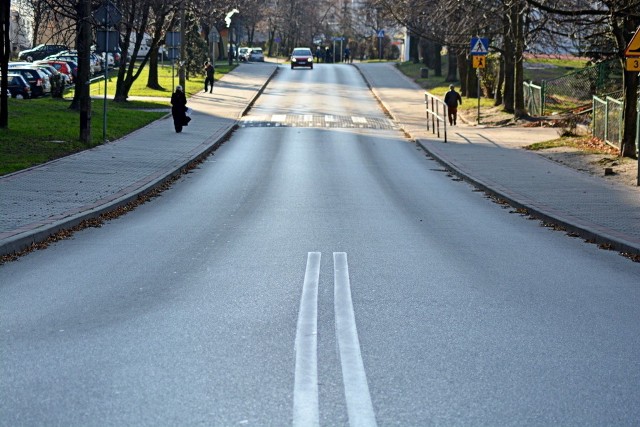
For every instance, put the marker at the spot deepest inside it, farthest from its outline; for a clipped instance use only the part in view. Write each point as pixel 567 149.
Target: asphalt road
pixel 319 268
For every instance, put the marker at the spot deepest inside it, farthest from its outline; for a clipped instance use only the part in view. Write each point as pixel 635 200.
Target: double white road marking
pixel 305 395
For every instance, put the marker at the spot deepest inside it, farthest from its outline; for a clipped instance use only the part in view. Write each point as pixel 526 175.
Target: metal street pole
pixel 106 75
pixel 183 49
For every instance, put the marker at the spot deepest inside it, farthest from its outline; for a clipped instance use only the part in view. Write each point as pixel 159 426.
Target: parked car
pixel 301 57
pixel 72 55
pixel 18 87
pixel 41 51
pixel 39 82
pixel 62 67
pixel 58 80
pixel 256 55
pixel 243 54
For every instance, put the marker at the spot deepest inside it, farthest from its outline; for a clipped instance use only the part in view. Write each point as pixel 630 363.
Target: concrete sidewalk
pixel 42 200
pixel 493 160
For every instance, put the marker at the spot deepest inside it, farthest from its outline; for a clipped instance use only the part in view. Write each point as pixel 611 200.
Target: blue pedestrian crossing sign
pixel 479 46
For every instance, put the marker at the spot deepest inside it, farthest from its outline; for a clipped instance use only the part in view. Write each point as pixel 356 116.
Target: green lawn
pixel 45 129
pixel 166 78
pixel 438 86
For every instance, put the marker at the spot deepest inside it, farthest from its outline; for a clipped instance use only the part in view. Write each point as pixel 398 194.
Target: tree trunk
pixel 462 71
pixel 437 60
pixel 452 67
pixel 5 52
pixel 426 50
pixel 519 109
pixel 413 49
pixel 498 91
pixel 83 43
pixel 152 80
pixel 509 63
pixel 630 82
pixel 472 80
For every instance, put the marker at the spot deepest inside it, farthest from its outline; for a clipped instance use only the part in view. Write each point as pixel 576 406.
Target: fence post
pixel 638 137
pixel 437 107
pixel 444 122
pixel 606 121
pixel 543 97
pixel 433 118
pixel 594 116
pixel 426 108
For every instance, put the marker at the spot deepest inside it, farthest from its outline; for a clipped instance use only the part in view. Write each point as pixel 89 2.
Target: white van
pixel 144 46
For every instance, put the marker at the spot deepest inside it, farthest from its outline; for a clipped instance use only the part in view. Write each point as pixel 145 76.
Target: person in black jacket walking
pixel 179 109
pixel 452 99
pixel 208 81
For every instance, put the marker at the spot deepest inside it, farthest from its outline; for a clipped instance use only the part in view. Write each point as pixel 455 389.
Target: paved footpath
pixel 60 194
pixel 493 160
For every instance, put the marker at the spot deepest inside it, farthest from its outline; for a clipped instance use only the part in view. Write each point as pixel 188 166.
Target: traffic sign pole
pixel 479 50
pixel 632 64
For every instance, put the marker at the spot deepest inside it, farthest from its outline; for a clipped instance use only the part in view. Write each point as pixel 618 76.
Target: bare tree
pixel 5 52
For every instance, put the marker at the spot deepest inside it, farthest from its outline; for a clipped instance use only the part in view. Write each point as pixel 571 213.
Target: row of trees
pixel 599 30
pixel 287 22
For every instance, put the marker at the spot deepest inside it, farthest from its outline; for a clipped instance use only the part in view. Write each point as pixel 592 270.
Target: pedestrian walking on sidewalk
pixel 208 81
pixel 179 109
pixel 452 99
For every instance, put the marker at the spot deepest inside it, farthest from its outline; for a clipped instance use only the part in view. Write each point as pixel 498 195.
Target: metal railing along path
pixel 436 111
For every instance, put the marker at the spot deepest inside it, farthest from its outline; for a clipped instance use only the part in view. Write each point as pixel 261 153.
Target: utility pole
pixel 228 21
pixel 183 48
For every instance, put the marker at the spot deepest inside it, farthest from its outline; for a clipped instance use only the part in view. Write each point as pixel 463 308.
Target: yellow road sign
pixel 633 48
pixel 479 61
pixel 633 63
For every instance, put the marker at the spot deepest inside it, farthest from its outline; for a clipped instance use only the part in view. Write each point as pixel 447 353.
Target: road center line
pixel 305 392
pixel 356 389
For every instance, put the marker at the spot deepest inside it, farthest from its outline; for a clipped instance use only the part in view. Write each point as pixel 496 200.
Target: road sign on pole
pixel 479 46
pixel 479 61
pixel 633 48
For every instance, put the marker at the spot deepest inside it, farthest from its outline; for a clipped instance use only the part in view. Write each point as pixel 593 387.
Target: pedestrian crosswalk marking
pixel 317 121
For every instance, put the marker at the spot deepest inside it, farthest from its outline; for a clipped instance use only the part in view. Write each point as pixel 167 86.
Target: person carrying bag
pixel 179 109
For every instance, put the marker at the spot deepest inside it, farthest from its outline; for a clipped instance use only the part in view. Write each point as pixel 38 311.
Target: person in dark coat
pixel 179 109
pixel 452 99
pixel 208 81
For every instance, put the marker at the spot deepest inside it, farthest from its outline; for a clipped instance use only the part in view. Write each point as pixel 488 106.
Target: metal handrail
pixel 436 111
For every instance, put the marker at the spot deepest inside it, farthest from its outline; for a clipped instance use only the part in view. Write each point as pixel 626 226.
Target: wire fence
pixel 575 90
pixel 533 99
pixel 607 121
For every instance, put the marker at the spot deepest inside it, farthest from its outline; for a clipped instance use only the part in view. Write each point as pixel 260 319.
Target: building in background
pixel 21 26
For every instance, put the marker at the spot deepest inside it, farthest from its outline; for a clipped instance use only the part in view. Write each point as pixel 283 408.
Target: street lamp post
pixel 227 19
